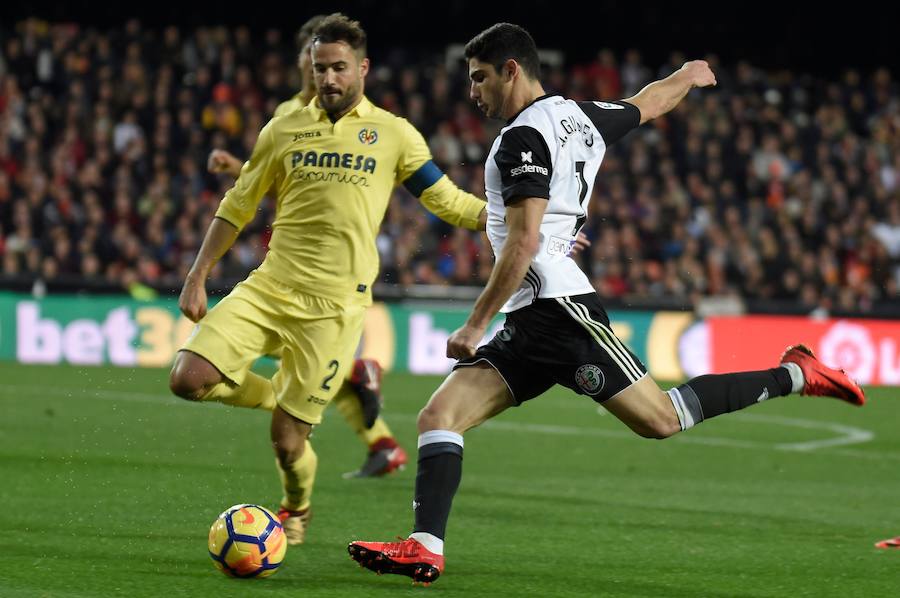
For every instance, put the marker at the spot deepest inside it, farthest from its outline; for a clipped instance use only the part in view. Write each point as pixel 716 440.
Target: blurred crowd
pixel 773 185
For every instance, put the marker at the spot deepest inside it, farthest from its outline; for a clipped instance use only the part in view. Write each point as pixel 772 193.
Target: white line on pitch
pixel 847 434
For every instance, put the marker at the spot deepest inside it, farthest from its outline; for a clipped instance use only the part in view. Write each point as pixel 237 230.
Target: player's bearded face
pixel 339 76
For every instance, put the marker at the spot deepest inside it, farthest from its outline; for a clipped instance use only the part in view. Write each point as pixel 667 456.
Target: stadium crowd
pixel 774 185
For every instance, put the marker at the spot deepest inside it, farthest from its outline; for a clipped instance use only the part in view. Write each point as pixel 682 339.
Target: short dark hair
pixel 498 43
pixel 337 27
pixel 306 31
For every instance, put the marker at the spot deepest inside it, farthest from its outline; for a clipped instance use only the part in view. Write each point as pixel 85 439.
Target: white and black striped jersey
pixel 552 149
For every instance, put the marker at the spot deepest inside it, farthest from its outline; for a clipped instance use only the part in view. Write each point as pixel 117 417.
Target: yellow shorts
pixel 317 339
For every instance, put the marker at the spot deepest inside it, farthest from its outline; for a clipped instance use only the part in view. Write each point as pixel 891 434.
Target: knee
pixel 429 419
pixel 183 385
pixel 192 376
pixel 433 417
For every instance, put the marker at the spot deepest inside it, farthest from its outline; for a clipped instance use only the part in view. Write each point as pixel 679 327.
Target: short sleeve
pixel 523 159
pixel 257 176
pixel 414 152
pixel 612 119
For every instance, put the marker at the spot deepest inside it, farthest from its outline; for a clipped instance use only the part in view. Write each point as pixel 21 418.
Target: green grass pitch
pixel 109 487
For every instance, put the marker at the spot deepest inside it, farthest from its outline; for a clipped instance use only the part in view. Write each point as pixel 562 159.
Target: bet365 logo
pixel 368 136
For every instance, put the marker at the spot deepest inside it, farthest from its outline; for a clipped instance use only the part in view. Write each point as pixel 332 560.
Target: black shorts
pixel 568 341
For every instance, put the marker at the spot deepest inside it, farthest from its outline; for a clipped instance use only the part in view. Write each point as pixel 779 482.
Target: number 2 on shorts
pixel 334 368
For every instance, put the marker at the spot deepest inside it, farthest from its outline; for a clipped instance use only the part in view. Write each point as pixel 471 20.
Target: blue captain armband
pixel 427 175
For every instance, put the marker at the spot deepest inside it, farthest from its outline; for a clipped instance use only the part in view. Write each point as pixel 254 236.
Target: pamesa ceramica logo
pixel 368 136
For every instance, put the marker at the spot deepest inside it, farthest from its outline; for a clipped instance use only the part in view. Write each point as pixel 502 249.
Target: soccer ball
pixel 247 541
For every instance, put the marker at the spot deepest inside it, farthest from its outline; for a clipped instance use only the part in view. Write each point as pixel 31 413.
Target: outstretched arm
pixel 440 196
pixel 661 96
pixel 451 204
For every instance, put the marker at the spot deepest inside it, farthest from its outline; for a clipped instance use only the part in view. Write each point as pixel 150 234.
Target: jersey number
pixel 582 192
pixel 334 368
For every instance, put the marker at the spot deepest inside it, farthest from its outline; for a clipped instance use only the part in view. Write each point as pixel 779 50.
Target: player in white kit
pixel 538 179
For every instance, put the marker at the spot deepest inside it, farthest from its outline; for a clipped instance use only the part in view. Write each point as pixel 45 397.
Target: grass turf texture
pixel 110 485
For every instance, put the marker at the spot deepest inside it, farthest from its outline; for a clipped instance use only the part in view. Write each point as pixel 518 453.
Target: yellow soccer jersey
pixel 333 183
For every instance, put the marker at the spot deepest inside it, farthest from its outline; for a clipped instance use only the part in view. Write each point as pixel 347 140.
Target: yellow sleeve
pixel 451 204
pixel 421 177
pixel 258 175
pixel 414 152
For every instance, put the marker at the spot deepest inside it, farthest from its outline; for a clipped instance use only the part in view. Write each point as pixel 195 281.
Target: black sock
pixel 440 470
pixel 704 397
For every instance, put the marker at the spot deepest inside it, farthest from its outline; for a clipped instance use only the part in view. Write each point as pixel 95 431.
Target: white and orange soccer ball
pixel 247 541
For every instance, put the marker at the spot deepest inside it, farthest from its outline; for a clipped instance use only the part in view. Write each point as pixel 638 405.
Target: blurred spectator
pixel 771 186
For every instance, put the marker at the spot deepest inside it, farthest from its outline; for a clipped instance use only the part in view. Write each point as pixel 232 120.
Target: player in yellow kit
pixel 333 165
pixel 359 398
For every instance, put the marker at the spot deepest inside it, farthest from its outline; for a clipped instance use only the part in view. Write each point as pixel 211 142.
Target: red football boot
pixel 381 461
pixel 407 557
pixel 889 543
pixel 821 380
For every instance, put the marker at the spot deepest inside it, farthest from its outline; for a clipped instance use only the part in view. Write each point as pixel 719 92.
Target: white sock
pixel 797 381
pixel 435 436
pixel 429 541
pixel 685 419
